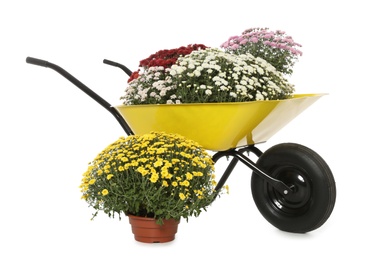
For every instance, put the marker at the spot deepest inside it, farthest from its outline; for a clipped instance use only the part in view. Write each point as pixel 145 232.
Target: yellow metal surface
pixel 218 126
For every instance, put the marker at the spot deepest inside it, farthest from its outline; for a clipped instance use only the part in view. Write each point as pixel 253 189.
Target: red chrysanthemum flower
pixel 134 75
pixel 166 58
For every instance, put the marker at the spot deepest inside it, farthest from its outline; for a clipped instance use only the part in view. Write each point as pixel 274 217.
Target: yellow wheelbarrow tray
pixel 218 126
pixel 292 186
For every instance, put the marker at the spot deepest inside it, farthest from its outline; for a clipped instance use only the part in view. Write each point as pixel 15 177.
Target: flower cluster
pixel 153 175
pixel 208 75
pixel 165 58
pixel 276 47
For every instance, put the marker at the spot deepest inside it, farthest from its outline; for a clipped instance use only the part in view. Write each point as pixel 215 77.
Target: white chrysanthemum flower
pixel 260 70
pixel 259 96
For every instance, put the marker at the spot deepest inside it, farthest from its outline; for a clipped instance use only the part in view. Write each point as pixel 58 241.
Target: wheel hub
pixel 300 186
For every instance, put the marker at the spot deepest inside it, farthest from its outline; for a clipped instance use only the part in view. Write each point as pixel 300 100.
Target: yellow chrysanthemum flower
pixel 142 160
pixel 185 183
pixel 189 176
pixel 174 160
pixel 182 196
pixel 186 155
pixel 198 174
pixel 154 177
pixel 134 163
pixel 104 192
pixel 161 150
pixel 158 163
pixel 142 170
pixel 227 189
pixel 165 174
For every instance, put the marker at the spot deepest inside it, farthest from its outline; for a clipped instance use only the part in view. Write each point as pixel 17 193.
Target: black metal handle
pixel 85 89
pixel 116 64
pixel 37 62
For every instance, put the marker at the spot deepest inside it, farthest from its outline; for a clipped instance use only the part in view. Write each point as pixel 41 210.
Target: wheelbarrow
pixel 292 186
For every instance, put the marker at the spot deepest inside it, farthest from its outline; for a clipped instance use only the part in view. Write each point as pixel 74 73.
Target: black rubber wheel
pixel 311 181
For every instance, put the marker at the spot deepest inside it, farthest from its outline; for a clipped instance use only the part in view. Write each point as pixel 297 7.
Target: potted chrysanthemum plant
pixel 157 177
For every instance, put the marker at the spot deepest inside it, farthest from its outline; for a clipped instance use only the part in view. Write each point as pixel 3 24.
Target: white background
pixel 50 130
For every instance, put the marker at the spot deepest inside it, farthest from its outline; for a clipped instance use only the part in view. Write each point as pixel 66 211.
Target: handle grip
pixel 37 62
pixel 109 62
pixel 116 64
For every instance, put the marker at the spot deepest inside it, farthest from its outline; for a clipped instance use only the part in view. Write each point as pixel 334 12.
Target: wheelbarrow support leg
pixel 227 173
pixel 239 156
pixel 278 185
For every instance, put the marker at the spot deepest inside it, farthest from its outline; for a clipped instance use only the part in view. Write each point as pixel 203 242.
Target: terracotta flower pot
pixel 148 231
